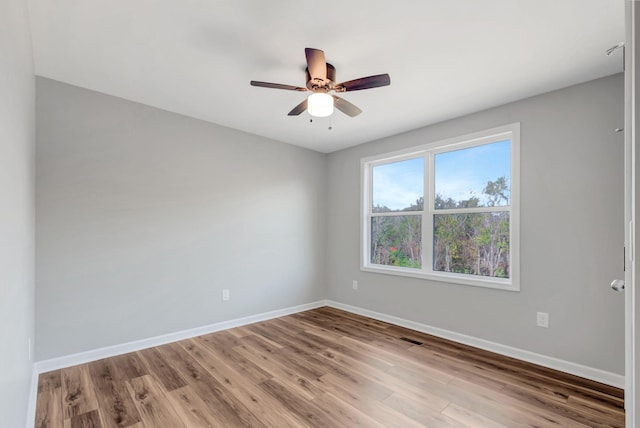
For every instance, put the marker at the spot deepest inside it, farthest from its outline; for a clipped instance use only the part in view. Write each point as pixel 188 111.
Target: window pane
pixel 472 243
pixel 479 176
pixel 398 186
pixel 397 240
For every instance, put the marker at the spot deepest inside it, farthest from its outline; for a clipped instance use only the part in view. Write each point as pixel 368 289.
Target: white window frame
pixel 428 151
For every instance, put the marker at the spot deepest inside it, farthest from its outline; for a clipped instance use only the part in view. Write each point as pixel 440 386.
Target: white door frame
pixel 632 211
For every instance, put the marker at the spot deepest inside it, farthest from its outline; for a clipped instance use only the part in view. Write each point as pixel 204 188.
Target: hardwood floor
pixel 320 368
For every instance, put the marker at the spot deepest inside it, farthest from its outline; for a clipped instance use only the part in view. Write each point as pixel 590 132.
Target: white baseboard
pixel 33 395
pixel 136 345
pixel 591 373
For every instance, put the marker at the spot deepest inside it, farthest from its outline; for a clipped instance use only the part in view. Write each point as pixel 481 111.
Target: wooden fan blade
pixel 277 86
pixel 299 108
pixel 345 106
pixel 316 64
pixel 364 83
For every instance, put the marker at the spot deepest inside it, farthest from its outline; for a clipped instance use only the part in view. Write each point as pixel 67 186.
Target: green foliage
pixel 417 206
pixel 497 192
pixel 399 258
pixel 396 241
pixel 469 243
pixel 449 203
pixel 473 243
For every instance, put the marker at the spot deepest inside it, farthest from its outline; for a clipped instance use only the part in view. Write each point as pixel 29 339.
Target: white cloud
pixel 398 185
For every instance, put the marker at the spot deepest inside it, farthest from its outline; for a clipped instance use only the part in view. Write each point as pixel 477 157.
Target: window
pixel 446 211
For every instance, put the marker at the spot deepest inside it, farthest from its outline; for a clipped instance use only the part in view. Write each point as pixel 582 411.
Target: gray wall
pixel 17 137
pixel 571 232
pixel 144 216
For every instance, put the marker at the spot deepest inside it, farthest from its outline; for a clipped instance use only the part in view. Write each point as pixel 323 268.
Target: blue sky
pixel 459 175
pixel 397 185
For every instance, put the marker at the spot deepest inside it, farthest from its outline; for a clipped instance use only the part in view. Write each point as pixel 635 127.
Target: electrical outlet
pixel 355 284
pixel 542 319
pixel 226 295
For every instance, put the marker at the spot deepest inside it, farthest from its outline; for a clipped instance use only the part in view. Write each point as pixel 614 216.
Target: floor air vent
pixel 415 342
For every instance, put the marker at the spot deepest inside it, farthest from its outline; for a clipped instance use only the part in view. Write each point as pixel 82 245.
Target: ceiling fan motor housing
pixel 318 85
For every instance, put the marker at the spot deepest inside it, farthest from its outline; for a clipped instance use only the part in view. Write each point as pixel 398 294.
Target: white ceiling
pixel 445 58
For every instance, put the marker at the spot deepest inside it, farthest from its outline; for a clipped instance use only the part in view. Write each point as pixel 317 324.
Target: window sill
pixel 495 283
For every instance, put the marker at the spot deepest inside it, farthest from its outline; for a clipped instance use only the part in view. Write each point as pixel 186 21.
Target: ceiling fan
pixel 321 78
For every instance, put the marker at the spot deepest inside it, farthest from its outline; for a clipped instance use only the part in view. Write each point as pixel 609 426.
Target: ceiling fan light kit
pixel 321 80
pixel 320 104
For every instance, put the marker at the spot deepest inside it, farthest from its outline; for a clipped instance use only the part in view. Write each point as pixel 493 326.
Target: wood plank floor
pixel 320 368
